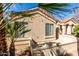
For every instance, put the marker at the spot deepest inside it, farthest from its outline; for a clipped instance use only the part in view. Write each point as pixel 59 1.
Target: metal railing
pixel 52 49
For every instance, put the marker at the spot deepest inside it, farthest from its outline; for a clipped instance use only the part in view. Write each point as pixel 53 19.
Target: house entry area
pixel 66 29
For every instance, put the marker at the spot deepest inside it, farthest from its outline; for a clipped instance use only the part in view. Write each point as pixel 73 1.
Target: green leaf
pixel 25 31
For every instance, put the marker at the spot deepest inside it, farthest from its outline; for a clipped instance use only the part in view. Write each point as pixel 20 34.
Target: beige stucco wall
pixel 37 26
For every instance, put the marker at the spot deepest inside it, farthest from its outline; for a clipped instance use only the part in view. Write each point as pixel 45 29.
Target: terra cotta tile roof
pixel 68 19
pixel 41 10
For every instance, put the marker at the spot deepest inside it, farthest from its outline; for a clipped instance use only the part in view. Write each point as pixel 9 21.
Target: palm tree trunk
pixel 12 48
pixel 3 46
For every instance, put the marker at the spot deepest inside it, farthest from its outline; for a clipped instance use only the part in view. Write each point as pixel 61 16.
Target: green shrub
pixel 76 31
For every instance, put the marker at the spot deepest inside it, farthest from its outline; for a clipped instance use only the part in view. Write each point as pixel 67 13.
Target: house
pixel 42 25
pixel 66 25
pixel 44 28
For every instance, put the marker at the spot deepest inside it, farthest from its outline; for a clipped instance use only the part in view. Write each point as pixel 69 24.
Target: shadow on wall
pixel 57 32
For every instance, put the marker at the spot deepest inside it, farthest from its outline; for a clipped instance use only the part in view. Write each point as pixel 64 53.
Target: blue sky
pixel 24 6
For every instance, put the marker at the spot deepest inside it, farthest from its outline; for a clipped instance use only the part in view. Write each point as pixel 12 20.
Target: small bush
pixel 76 31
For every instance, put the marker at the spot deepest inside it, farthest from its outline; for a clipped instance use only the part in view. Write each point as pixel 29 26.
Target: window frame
pixel 51 31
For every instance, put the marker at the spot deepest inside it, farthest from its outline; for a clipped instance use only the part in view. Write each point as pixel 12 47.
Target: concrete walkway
pixel 67 39
pixel 69 43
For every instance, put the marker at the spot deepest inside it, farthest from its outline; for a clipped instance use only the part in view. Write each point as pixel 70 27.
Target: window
pixel 49 29
pixel 22 26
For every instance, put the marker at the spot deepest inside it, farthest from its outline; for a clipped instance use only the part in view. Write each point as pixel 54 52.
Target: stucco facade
pixel 67 25
pixel 37 25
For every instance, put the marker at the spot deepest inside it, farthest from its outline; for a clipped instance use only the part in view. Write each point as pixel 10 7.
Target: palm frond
pixel 4 8
pixel 55 13
pixel 57 9
pixel 25 31
pixel 53 4
pixel 22 14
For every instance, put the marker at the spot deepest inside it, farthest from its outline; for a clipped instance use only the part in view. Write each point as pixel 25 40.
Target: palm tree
pixel 16 29
pixel 56 9
pixel 3 46
pixel 12 29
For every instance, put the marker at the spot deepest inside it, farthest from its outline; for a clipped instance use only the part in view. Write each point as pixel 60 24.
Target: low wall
pixel 21 44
